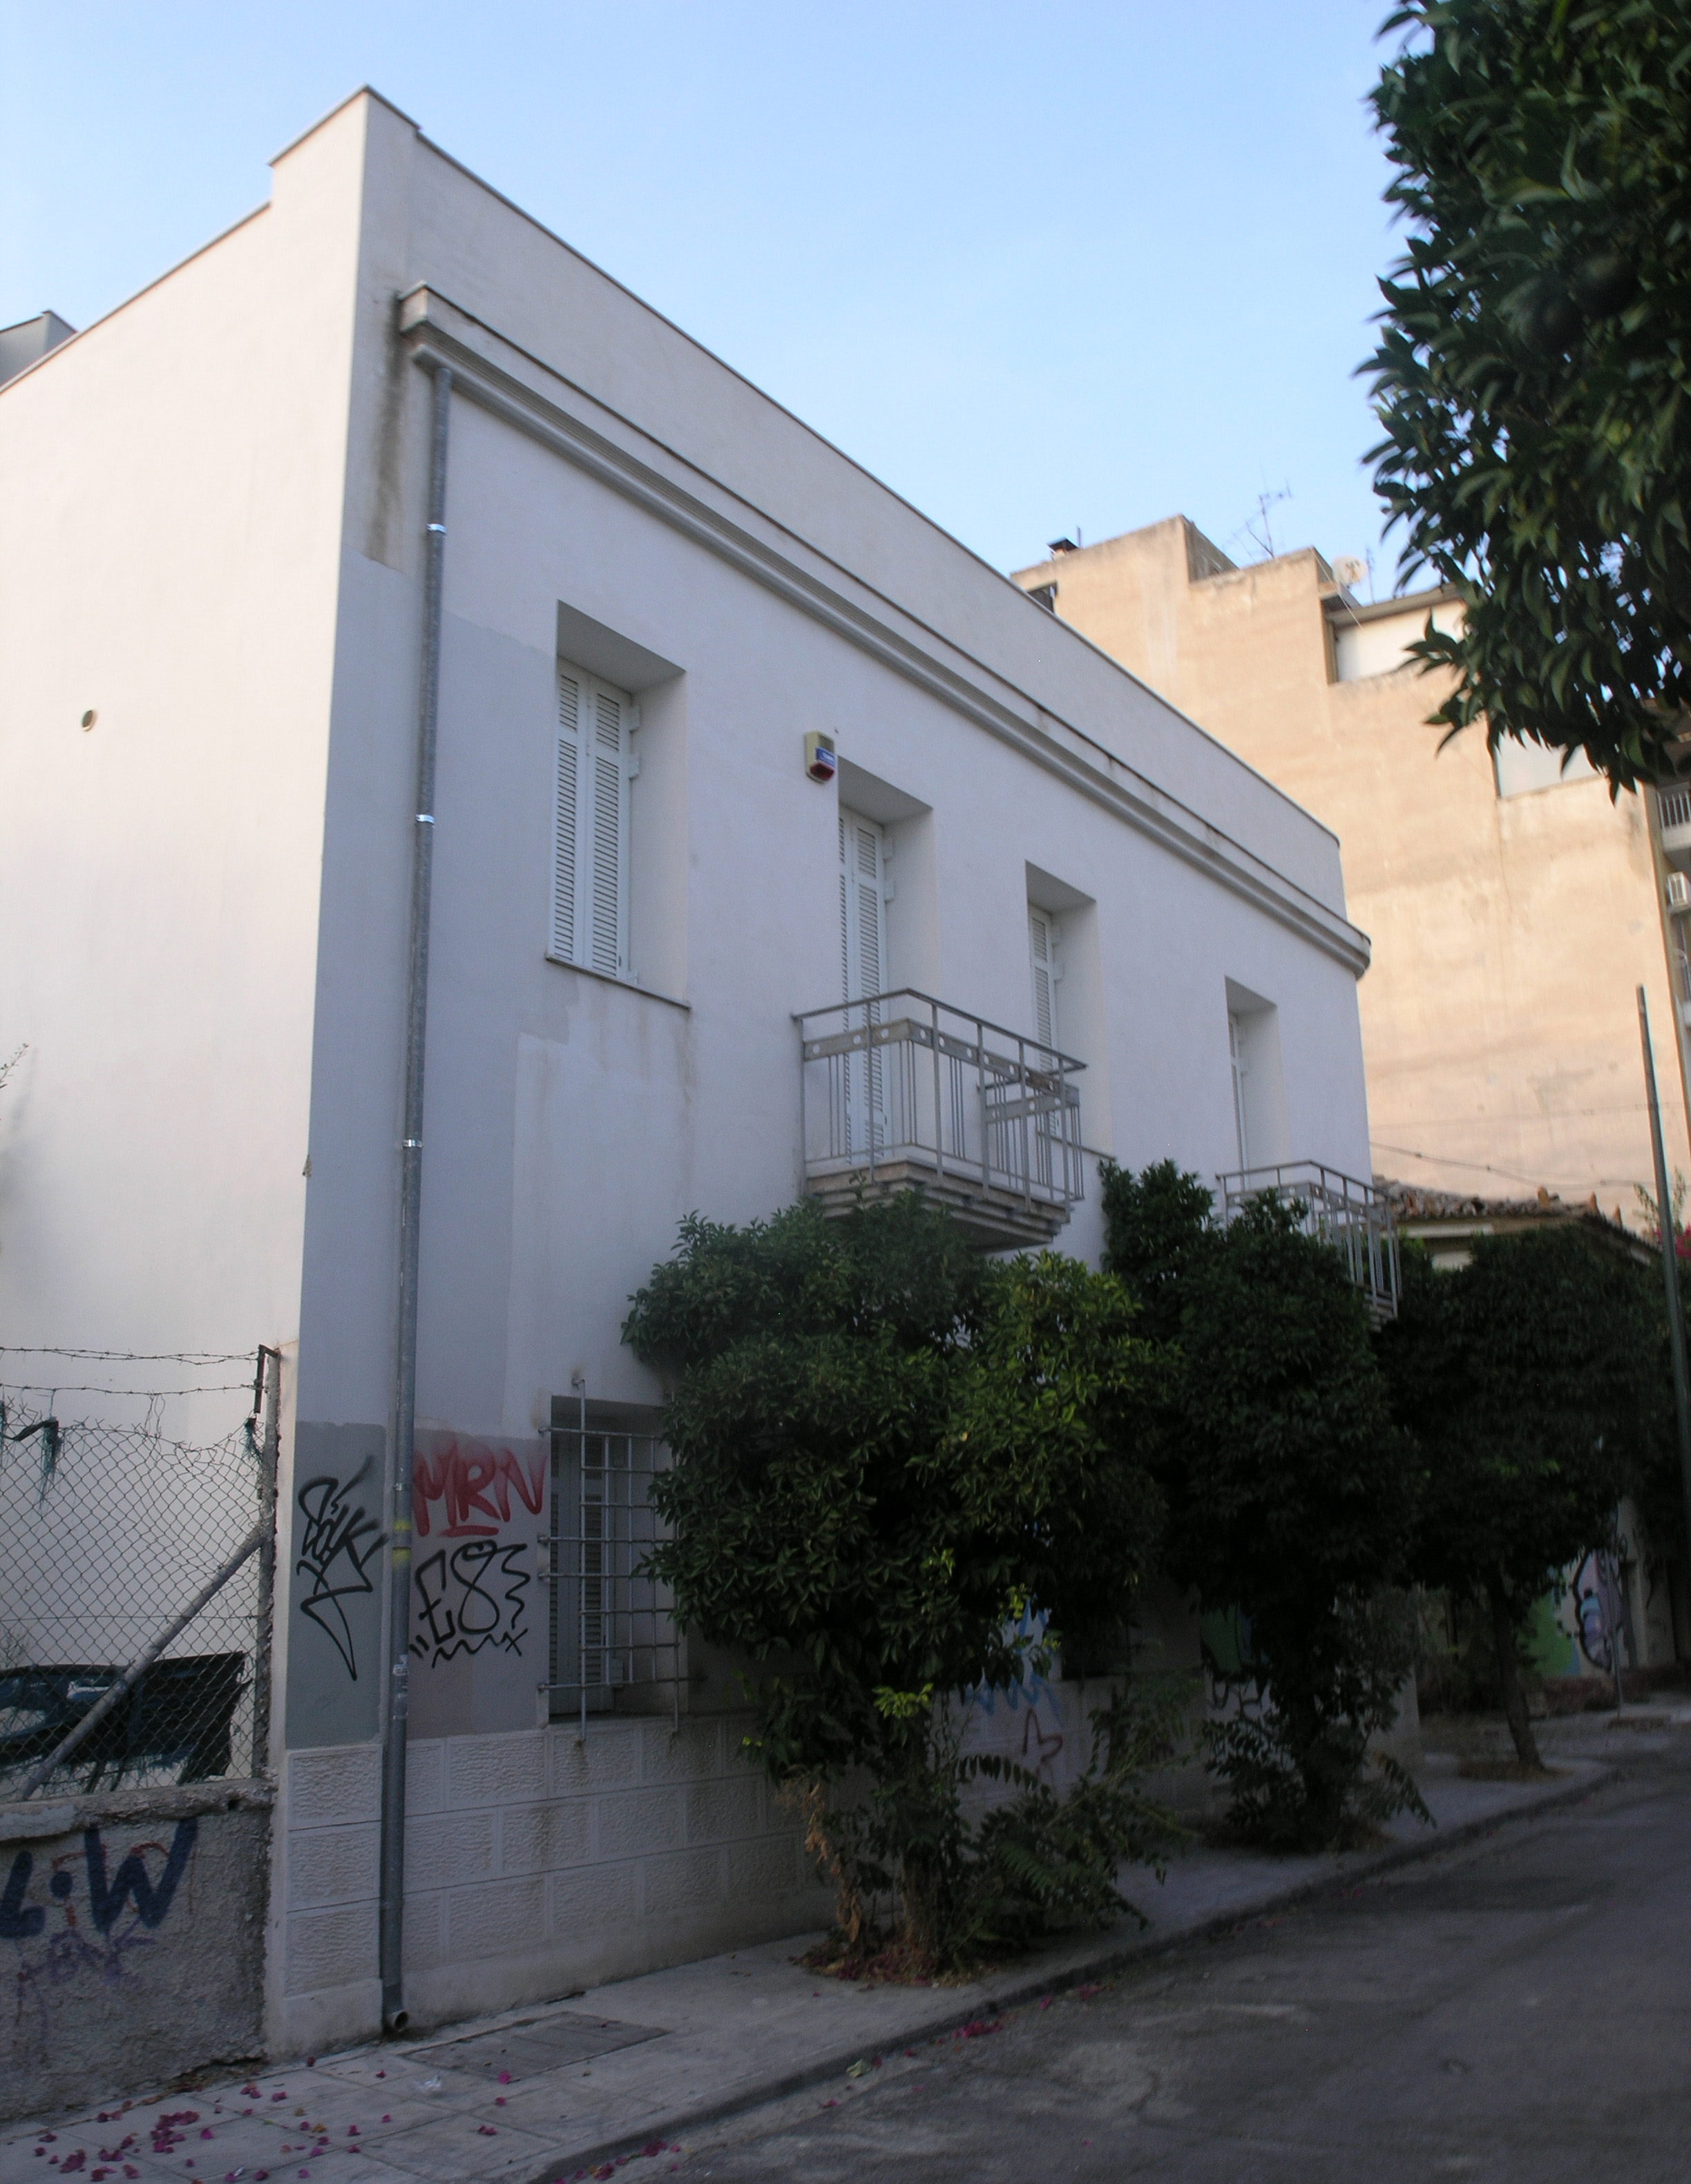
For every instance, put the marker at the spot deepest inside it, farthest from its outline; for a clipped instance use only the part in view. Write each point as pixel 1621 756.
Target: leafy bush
pixel 1045 1863
pixel 1291 1496
pixel 885 1450
pixel 1528 1379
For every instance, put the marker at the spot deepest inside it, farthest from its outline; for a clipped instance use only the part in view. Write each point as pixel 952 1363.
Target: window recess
pixel 594 765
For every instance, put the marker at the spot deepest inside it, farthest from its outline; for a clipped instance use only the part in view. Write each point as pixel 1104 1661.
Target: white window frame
pixel 594 763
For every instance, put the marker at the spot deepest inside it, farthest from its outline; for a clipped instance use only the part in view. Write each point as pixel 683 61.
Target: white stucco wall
pixel 170 520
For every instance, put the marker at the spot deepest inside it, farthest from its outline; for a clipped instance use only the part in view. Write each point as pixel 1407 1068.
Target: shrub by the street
pixel 1528 1379
pixel 1291 1496
pixel 1046 1862
pixel 885 1451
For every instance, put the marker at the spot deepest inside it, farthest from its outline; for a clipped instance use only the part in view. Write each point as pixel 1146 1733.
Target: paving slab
pixel 624 2071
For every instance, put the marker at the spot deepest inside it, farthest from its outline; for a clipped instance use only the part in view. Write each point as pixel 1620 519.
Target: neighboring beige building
pixel 1514 911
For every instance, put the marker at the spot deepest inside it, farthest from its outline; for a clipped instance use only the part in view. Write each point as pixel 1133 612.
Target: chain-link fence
pixel 109 1536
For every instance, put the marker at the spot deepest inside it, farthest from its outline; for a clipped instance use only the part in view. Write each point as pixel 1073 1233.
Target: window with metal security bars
pixel 614 1645
pixel 595 763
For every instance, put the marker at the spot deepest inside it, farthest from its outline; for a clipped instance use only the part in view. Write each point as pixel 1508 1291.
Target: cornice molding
pixel 527 393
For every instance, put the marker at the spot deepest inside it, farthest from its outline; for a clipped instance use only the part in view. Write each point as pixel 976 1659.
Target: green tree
pixel 1532 375
pixel 1291 1496
pixel 885 1451
pixel 1156 1224
pixel 1527 1380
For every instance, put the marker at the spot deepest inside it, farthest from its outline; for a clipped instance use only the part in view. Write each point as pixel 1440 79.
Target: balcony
pixel 1673 807
pixel 900 1089
pixel 1337 1210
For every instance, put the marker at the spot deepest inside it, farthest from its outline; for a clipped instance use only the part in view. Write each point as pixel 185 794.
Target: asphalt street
pixel 1519 2006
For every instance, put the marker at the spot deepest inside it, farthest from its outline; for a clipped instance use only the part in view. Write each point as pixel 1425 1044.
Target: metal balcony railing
pixel 1674 807
pixel 900 1088
pixel 1353 1217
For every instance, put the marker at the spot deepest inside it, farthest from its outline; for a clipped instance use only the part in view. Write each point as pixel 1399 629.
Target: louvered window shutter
pixel 595 763
pixel 1043 944
pixel 845 993
pixel 567 819
pixel 867 843
pixel 607 948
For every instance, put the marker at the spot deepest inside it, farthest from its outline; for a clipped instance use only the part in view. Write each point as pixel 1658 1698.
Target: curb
pixel 558 2169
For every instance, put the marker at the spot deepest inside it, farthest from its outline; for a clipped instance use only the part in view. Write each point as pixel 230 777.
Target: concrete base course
pixel 536 1862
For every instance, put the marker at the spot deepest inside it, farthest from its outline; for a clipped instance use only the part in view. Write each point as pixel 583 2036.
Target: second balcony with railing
pixel 900 1089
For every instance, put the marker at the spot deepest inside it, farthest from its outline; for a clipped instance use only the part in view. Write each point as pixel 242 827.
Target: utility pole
pixel 1669 1275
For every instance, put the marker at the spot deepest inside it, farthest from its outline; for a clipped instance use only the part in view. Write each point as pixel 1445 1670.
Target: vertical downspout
pixel 394 2012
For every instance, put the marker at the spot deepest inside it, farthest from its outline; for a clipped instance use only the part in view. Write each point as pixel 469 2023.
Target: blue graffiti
pixel 131 1878
pixel 16 1923
pixel 107 1898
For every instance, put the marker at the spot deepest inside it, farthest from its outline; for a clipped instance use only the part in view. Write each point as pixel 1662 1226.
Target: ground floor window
pixel 614 1645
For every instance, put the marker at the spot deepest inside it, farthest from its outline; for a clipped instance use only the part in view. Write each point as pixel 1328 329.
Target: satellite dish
pixel 1350 570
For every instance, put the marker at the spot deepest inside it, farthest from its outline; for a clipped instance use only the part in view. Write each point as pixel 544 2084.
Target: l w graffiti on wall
pixel 134 1945
pixel 119 1912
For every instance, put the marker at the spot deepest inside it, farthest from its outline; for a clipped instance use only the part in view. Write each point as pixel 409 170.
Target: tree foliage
pixel 1529 1380
pixel 1291 1496
pixel 1531 375
pixel 885 1451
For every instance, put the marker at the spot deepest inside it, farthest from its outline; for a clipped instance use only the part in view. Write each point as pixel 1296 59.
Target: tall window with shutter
pixel 1044 944
pixel 1242 1074
pixel 594 764
pixel 864 894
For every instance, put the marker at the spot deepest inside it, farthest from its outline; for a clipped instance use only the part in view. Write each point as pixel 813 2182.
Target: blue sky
pixel 1037 267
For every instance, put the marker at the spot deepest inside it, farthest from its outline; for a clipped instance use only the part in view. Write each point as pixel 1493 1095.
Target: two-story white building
pixel 728 741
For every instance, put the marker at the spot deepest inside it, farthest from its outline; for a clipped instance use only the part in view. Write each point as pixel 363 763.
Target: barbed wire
pixel 87 1388
pixel 131 1357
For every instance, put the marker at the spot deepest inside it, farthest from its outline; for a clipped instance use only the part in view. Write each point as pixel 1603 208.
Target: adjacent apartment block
pixel 779 845
pixel 1514 907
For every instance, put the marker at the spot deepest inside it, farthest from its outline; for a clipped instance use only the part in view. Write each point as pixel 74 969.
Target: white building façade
pixel 662 599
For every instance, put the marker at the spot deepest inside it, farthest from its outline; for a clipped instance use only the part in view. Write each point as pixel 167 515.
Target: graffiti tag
pixel 98 1945
pixel 461 1479
pixel 470 1599
pixel 340 1540
pixel 1598 1610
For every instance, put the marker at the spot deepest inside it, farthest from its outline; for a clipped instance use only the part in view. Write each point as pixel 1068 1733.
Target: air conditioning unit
pixel 1678 891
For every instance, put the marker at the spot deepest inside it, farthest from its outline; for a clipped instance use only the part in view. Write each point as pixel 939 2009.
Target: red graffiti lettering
pixel 462 1477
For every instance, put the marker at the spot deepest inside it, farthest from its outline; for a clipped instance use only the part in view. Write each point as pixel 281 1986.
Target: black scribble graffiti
pixel 471 1598
pixel 340 1541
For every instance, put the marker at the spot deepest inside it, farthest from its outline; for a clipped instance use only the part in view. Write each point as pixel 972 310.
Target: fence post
pixel 269 1376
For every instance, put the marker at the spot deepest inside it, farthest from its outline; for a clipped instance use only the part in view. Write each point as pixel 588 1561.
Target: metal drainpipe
pixel 394 2012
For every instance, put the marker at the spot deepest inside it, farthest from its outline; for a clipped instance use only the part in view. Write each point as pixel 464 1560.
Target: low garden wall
pixel 133 1928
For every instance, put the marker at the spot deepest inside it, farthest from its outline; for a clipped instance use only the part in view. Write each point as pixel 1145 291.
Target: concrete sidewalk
pixel 555 2090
